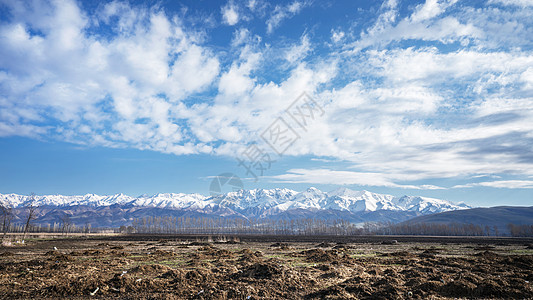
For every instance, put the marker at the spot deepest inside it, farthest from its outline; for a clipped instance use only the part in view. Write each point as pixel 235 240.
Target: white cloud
pixel 298 52
pixel 422 24
pixel 326 176
pixel 428 63
pixel 430 9
pixel 69 75
pixel 236 81
pixel 281 13
pixel 507 184
pixel 520 3
pixel 337 36
pixel 230 15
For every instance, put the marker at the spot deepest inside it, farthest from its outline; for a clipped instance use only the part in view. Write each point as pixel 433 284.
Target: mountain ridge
pixel 498 217
pixel 342 199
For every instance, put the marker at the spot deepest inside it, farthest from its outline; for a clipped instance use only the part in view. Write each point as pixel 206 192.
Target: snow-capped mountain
pixel 15 200
pixel 258 203
pixel 170 200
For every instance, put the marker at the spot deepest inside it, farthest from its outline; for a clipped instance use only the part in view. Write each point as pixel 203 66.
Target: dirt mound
pixel 458 288
pixel 333 292
pixel 58 256
pixel 261 270
pixel 150 269
pixel 198 276
pixel 487 254
pixel 391 242
pixel 198 263
pixel 523 262
pixel 173 274
pixel 210 252
pixel 343 247
pixel 429 286
pixel 324 245
pixel 429 253
pixel 319 255
pixel 248 255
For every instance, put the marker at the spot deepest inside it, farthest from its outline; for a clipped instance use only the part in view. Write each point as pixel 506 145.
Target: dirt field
pixel 186 267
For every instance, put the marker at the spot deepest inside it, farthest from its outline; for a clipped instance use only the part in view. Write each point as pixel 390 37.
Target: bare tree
pixel 32 208
pixel 87 228
pixel 6 213
pixel 65 220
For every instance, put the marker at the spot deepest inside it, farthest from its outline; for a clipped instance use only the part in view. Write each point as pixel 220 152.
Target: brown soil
pixel 172 269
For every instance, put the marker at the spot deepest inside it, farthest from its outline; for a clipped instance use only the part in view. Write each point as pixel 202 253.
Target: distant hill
pixel 499 216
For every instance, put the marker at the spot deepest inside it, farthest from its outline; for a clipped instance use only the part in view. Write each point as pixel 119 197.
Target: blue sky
pixel 429 98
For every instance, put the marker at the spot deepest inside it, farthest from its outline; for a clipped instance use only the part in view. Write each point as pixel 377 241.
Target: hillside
pixel 499 216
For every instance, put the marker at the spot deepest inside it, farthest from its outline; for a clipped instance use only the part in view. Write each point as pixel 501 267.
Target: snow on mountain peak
pixel 253 202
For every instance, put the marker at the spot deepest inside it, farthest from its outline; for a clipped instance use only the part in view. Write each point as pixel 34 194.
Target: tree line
pixel 521 230
pixel 203 225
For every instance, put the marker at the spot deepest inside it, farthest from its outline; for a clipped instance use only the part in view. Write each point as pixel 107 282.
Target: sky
pixel 429 98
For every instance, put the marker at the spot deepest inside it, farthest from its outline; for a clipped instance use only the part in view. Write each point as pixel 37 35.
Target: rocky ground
pixel 226 268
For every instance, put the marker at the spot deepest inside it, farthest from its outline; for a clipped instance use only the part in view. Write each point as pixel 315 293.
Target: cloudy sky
pixel 427 98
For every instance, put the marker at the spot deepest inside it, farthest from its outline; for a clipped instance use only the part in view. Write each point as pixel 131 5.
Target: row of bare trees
pixel 520 230
pixel 203 225
pixel 63 227
pixel 452 230
pixel 431 229
pixel 7 215
pixel 31 208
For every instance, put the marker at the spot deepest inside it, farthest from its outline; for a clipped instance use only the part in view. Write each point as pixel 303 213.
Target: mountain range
pixel 342 203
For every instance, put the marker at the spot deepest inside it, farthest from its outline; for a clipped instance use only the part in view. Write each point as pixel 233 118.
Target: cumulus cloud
pixel 430 9
pixel 98 88
pixel 230 14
